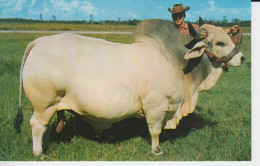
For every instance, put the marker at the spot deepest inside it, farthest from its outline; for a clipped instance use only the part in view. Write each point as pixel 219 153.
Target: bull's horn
pixel 201 22
pixel 200 34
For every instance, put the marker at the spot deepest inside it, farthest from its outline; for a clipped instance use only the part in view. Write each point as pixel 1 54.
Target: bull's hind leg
pixel 45 100
pixel 39 122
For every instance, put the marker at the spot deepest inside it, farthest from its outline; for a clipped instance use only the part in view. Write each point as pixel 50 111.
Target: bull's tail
pixel 19 116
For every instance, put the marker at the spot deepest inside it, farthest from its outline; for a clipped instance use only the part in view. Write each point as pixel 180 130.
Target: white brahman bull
pixel 155 77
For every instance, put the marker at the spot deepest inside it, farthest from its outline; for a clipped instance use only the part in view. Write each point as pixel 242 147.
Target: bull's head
pixel 214 42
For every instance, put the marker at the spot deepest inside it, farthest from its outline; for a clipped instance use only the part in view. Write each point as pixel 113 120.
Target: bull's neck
pixel 196 71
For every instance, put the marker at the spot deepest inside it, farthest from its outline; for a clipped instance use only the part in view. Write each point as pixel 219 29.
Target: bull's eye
pixel 221 44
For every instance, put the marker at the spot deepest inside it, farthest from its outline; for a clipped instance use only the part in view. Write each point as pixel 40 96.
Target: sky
pixel 123 9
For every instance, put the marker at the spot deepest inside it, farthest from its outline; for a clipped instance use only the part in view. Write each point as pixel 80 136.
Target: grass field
pixel 75 27
pixel 64 27
pixel 218 130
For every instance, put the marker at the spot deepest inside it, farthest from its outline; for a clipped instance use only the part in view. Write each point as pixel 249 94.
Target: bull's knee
pixel 37 133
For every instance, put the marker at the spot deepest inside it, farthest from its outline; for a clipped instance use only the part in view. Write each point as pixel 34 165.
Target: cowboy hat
pixel 178 8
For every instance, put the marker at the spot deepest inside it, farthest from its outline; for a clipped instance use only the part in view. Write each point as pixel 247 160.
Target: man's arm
pixel 232 30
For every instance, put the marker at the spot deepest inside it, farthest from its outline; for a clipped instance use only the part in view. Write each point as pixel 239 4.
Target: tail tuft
pixel 18 120
pixel 19 116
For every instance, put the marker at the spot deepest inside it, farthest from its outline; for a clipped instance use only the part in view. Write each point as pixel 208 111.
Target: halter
pixel 225 59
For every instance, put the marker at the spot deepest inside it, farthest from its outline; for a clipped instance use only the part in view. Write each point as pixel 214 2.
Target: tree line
pixel 225 23
pixel 111 22
pixel 222 23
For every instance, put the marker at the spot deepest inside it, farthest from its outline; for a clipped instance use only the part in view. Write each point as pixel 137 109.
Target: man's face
pixel 178 18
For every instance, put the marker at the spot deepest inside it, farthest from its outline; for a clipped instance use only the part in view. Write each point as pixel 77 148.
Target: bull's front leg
pixel 155 131
pixel 155 114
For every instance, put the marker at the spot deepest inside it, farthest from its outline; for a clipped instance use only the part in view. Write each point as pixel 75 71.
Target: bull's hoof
pixel 41 157
pixel 98 133
pixel 60 126
pixel 37 154
pixel 157 152
pixel 98 136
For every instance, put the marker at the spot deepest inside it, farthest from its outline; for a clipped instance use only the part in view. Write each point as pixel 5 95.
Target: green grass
pixel 64 27
pixel 219 129
pixel 75 27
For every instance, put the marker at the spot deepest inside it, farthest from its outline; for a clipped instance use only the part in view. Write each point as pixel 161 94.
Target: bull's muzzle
pixel 243 59
pixel 236 60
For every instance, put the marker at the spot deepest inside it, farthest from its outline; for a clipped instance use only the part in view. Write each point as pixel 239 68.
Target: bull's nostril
pixel 242 59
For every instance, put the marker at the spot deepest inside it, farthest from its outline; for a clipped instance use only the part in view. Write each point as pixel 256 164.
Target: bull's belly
pixel 105 112
pixel 102 102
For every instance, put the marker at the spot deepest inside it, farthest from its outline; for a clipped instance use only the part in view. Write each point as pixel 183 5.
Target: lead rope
pixel 237 39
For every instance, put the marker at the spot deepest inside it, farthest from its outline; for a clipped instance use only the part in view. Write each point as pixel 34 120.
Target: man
pixel 178 16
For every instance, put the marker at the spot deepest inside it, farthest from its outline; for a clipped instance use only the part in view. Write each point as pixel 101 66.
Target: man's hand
pixel 234 30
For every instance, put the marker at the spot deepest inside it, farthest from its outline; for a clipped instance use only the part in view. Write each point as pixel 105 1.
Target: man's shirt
pixel 185 28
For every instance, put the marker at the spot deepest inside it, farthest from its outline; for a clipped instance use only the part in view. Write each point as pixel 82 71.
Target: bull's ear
pixel 196 51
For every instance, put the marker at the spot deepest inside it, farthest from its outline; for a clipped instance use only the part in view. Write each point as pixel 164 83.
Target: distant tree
pixel 53 17
pixel 224 21
pixel 245 23
pixel 41 18
pixel 235 21
pixel 91 17
pixel 224 18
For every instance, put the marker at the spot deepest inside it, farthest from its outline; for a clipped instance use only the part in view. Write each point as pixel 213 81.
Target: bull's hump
pixel 153 28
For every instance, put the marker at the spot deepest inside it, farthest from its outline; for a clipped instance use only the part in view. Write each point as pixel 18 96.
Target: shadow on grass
pixel 127 129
